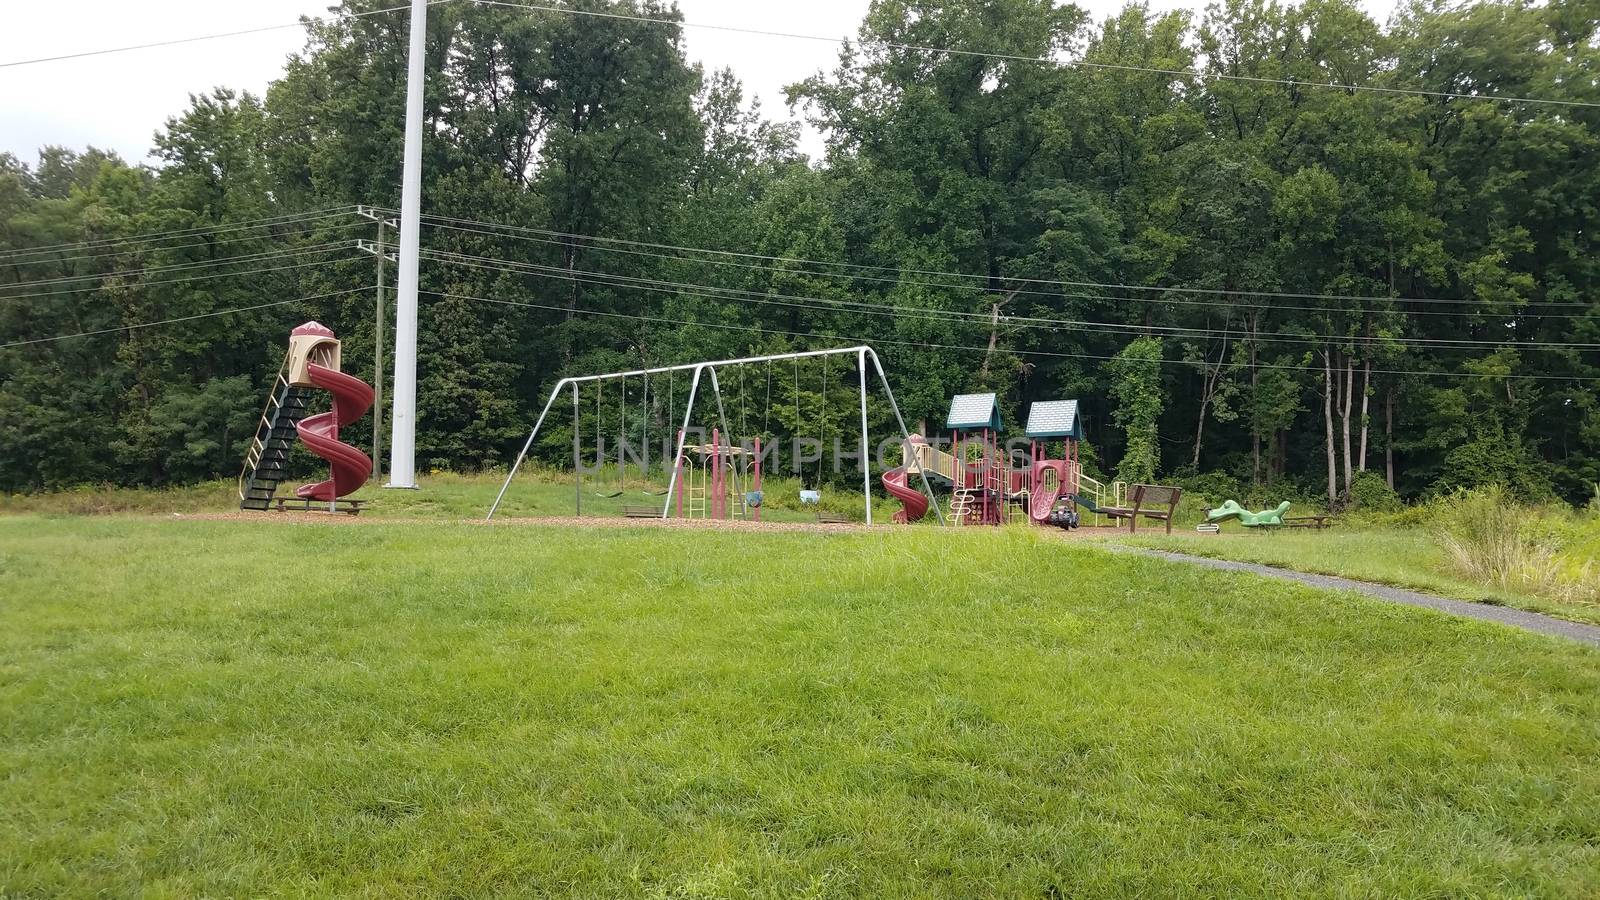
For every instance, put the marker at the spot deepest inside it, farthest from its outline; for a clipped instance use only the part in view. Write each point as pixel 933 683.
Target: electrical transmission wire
pixel 1183 289
pixel 209 315
pixel 176 267
pixel 194 39
pixel 751 329
pixel 803 302
pixel 152 236
pixel 1190 74
pixel 1063 63
pixel 562 239
pixel 128 251
pixel 184 280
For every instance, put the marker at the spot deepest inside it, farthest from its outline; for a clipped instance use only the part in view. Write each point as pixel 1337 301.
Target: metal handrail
pixel 252 457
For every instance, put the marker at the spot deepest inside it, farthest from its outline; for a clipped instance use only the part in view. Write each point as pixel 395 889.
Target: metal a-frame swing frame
pixel 862 352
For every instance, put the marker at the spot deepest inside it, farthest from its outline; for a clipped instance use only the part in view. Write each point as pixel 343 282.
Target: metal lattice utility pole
pixel 403 424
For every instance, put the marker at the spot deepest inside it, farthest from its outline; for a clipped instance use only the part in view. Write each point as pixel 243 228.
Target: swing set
pixel 719 479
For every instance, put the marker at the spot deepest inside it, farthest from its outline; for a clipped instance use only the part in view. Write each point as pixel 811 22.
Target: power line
pixel 893 45
pixel 1078 64
pixel 561 239
pixel 220 312
pixel 145 284
pixel 261 29
pixel 152 236
pixel 57 261
pixel 924 345
pixel 176 267
pixel 1169 289
pixel 803 302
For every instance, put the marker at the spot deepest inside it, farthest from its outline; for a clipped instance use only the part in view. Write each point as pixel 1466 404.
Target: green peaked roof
pixel 1054 418
pixel 968 411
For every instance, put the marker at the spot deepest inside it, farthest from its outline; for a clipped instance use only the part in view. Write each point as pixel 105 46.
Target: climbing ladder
pixel 963 505
pixel 694 489
pixel 275 436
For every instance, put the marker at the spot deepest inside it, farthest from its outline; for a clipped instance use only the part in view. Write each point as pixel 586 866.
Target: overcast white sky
pixel 118 101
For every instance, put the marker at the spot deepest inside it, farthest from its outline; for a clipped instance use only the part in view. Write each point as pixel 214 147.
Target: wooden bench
pixel 1309 521
pixel 642 512
pixel 348 507
pixel 831 518
pixel 1153 501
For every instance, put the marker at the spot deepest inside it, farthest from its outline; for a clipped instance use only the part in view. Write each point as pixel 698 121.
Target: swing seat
pixel 611 496
pixel 811 497
pixel 752 499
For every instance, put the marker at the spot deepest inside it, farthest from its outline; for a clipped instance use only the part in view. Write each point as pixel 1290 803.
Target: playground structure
pixel 719 479
pixel 1230 509
pixel 988 486
pixel 311 363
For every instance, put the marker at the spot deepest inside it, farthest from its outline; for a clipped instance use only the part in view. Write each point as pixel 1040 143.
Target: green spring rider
pixel 1265 518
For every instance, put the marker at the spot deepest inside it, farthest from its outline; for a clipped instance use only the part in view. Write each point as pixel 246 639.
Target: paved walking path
pixel 1505 615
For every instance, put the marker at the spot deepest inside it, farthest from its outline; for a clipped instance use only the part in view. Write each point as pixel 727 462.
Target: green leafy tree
pixel 1138 400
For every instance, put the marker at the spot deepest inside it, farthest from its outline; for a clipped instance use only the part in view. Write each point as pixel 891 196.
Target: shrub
pixel 1494 461
pixel 1213 487
pixel 1489 536
pixel 1370 493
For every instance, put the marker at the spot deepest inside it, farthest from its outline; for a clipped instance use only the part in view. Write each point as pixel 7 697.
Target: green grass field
pixel 445 495
pixel 241 708
pixel 1411 558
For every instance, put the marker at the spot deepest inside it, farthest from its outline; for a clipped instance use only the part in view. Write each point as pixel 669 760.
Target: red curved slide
pixel 1044 496
pixel 913 505
pixel 349 467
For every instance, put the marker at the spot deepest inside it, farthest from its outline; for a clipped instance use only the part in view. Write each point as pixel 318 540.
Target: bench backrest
pixel 1155 496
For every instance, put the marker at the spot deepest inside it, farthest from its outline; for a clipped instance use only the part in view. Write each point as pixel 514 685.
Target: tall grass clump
pixel 1490 536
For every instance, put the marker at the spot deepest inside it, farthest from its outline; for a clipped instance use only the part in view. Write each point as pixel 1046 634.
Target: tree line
pixel 1245 274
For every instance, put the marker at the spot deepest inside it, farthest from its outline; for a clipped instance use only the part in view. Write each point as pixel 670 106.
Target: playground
pixel 951 672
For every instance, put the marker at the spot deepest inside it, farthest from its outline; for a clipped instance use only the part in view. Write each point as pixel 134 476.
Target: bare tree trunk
pixel 1255 428
pixel 1209 380
pixel 1366 387
pixel 1349 387
pixel 994 339
pixel 1388 436
pixel 1328 385
pixel 994 335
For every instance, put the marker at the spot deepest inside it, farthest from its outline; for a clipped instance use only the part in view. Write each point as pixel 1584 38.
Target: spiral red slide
pixel 913 505
pixel 348 466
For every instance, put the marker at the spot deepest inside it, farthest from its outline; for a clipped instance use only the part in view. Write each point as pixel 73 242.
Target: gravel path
pixel 1505 615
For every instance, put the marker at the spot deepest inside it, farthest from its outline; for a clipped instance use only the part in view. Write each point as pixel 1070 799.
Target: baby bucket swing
pixel 812 496
pixel 751 465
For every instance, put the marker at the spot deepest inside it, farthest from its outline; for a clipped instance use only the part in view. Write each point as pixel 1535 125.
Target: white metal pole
pixel 554 393
pixel 905 435
pixel 403 423
pixel 866 469
pixel 722 416
pixel 577 464
pixel 683 434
